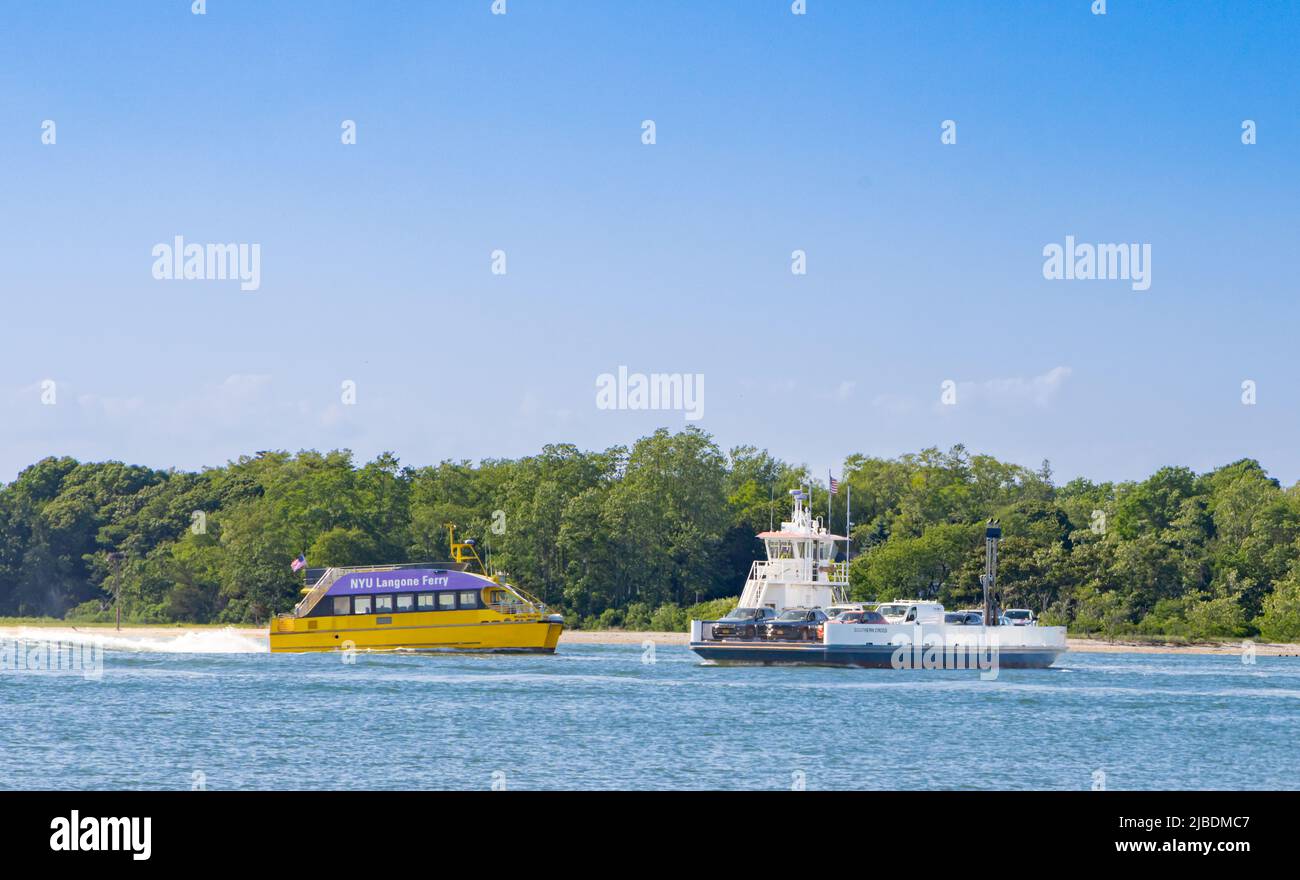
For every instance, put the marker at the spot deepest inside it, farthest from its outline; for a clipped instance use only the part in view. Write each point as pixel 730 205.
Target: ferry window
pixel 425 601
pixel 361 605
pixel 405 601
pixel 446 601
pixel 383 603
pixel 469 599
pixel 342 605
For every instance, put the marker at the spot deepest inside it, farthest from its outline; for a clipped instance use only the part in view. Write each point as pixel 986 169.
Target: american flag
pixel 835 486
pixel 299 562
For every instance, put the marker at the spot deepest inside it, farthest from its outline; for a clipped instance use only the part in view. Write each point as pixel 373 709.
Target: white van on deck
pixel 916 611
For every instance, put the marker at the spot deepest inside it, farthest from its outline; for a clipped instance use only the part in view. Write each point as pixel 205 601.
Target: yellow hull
pixel 416 631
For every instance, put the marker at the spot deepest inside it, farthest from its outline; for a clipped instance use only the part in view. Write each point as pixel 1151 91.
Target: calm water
pixel 596 716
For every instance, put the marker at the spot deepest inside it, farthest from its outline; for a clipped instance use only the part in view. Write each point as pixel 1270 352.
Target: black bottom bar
pixel 365 831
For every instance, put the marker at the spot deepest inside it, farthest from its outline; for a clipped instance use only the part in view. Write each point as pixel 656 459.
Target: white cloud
pixel 894 404
pixel 110 407
pixel 1013 393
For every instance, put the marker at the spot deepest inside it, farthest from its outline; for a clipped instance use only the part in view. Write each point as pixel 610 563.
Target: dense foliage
pixel 636 537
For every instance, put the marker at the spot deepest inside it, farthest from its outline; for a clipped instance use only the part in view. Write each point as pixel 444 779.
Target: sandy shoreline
pixel 58 631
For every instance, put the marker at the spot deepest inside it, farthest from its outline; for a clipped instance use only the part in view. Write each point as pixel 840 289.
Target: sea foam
pixel 206 641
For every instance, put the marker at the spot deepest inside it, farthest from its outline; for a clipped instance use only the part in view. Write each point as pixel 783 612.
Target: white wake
pixel 204 641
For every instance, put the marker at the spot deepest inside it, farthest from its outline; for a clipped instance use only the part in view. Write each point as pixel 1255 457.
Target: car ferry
pixel 782 617
pixel 417 607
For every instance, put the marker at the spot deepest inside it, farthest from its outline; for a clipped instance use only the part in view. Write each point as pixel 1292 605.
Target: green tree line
pixel 640 536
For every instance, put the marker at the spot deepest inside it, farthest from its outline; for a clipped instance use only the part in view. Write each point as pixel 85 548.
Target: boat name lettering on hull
pixel 383 583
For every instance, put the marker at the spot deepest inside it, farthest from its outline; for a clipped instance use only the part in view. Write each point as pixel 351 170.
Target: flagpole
pixel 848 525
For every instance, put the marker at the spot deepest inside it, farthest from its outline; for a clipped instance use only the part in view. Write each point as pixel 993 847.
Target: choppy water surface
pixel 598 716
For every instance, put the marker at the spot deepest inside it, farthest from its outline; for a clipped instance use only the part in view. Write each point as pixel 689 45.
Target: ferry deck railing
pixel 520 607
pixel 792 571
pixel 308 602
pixel 523 603
pixel 799 571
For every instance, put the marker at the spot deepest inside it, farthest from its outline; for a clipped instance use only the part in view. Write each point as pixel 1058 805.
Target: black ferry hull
pixel 864 656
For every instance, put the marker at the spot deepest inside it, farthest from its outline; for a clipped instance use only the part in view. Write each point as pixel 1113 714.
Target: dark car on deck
pixel 743 623
pixel 963 618
pixel 795 625
pixel 859 617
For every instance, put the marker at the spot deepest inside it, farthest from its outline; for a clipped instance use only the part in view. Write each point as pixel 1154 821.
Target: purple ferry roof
pixel 405 580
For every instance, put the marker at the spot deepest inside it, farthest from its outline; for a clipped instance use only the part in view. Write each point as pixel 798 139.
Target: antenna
pixel 992 534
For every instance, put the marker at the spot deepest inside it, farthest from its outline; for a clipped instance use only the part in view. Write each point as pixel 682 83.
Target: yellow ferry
pixel 416 607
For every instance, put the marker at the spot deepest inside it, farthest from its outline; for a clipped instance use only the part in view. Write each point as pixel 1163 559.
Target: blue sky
pixel 775 132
